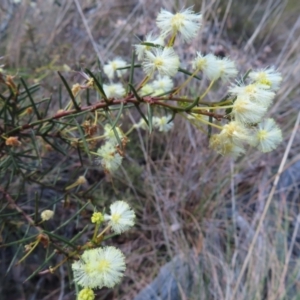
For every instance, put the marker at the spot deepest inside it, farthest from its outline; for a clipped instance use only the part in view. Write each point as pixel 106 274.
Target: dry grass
pixel 185 196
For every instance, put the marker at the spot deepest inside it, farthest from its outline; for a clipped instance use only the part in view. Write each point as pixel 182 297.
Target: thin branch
pixel 84 21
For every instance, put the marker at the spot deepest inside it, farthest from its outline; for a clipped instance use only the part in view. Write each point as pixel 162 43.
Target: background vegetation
pixel 187 198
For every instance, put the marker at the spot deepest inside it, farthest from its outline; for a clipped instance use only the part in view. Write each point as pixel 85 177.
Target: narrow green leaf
pixel 246 75
pixel 56 147
pixel 92 188
pixel 32 89
pixel 152 45
pixel 129 67
pixel 209 127
pixel 35 146
pixel 41 266
pixel 82 138
pixel 114 129
pixel 5 106
pixel 192 105
pixel 73 217
pixel 23 240
pixel 113 108
pixel 45 129
pixel 79 234
pixel 166 93
pixel 22 109
pixel 12 263
pixel 189 107
pixel 173 116
pixel 149 110
pixel 132 68
pixel 141 113
pixel 69 91
pixel 60 96
pixel 48 105
pixel 100 79
pixel 136 95
pixel 17 252
pixel 88 97
pixel 31 99
pixel 14 162
pixel 59 238
pixel 118 116
pixel 188 73
pixel 79 155
pixel 36 211
pixel 98 85
pixel 23 94
pixel 77 114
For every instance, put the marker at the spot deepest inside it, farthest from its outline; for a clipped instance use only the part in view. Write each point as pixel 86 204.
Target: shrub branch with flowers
pixel 237 120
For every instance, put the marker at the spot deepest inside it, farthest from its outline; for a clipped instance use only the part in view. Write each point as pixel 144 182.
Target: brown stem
pixel 19 209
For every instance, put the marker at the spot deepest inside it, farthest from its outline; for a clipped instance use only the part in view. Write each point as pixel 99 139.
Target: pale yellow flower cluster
pixel 112 70
pixel 250 103
pixel 161 58
pixel 103 266
pixel 110 159
pixel 109 155
pixel 161 85
pixel 47 215
pixel 162 124
pixel 214 67
pixel 99 267
pixel 121 217
pixel 247 106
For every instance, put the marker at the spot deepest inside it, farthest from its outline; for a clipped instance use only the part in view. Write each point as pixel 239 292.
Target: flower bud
pixel 47 214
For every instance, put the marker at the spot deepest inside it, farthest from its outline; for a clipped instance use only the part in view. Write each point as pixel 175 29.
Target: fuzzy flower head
pixel 121 217
pixel 254 92
pixel 76 88
pixel 140 49
pixel 165 61
pixel 235 133
pixel 141 124
pixel 186 22
pixel 114 90
pixel 208 64
pixel 146 90
pixel 245 111
pixel 267 136
pixel 269 78
pixel 159 92
pixel 163 83
pixel 111 68
pixel 110 160
pixel 110 135
pixel 225 147
pixel 195 119
pixel 47 214
pixel 163 124
pixel 227 69
pixel 86 294
pixel 100 267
